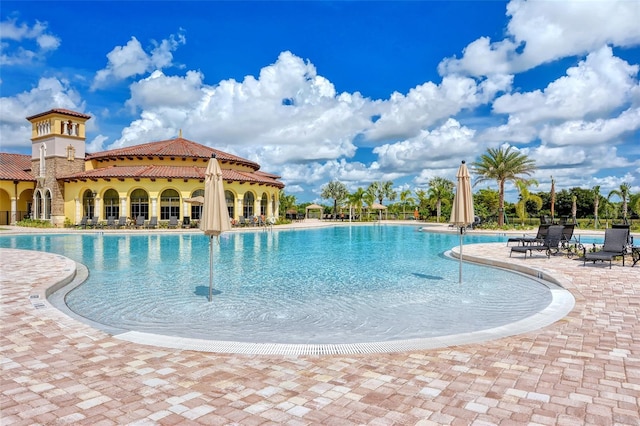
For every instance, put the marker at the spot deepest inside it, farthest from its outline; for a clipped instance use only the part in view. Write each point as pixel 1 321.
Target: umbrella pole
pixel 211 268
pixel 460 266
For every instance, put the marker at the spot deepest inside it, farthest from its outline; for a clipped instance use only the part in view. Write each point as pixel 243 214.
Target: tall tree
pixel 337 191
pixel 526 197
pixel 405 199
pixel 440 189
pixel 503 165
pixel 286 202
pixel 356 199
pixel 596 204
pixel 623 193
pixel 382 191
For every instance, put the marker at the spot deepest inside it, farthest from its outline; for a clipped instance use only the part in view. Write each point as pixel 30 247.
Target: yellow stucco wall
pixel 74 195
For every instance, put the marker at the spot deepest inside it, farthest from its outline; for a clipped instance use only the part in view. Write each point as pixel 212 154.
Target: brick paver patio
pixel 583 369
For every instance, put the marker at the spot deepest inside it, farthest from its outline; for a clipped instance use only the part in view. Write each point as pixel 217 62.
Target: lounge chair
pixel 95 222
pixel 242 221
pixel 153 223
pixel 83 222
pixel 539 238
pixel 615 244
pixel 139 221
pixel 122 221
pixel 111 222
pixel 173 222
pixel 186 222
pixel 551 242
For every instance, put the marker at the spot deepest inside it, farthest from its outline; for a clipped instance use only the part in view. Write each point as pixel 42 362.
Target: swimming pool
pixel 345 284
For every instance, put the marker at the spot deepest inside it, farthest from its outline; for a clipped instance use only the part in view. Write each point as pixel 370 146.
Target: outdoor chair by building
pixel 615 244
pixel 173 222
pixel 84 222
pixel 550 244
pixel 111 222
pixel 153 223
pixel 139 221
pixel 122 221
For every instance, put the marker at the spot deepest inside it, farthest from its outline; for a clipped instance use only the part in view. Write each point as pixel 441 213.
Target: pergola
pixel 314 207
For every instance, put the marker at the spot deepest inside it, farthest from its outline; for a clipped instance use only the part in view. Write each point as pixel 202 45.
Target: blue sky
pixel 354 91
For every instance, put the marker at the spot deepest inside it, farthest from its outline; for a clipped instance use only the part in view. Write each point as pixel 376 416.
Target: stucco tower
pixel 57 149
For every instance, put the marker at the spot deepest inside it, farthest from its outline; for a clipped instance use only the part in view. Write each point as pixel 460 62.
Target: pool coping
pixel 561 304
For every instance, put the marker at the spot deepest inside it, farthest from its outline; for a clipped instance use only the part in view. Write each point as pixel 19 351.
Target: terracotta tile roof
pixel 15 167
pixel 178 147
pixel 169 172
pixel 61 111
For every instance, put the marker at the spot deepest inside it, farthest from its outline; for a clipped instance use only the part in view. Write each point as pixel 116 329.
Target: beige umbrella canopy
pixel 215 216
pixel 196 201
pixel 379 207
pixel 462 214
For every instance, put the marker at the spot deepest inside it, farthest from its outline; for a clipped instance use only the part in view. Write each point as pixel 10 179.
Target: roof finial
pixel 180 134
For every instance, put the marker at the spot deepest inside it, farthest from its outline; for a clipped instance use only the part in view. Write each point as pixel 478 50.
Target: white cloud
pixel 430 149
pixel 11 32
pixel 597 86
pixel 425 105
pixel 544 31
pixel 132 60
pixel 288 114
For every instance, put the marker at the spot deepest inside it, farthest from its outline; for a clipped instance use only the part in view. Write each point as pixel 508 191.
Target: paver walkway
pixel 583 369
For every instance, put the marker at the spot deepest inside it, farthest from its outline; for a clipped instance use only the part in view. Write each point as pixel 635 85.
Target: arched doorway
pixel 263 204
pixel 231 205
pixel 111 202
pixel 139 204
pixel 88 203
pixel 247 205
pixel 169 204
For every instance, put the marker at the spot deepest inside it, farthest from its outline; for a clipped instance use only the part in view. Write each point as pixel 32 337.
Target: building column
pixel 123 207
pixel 96 207
pixel 239 207
pixel 154 208
pixel 14 209
pixel 78 210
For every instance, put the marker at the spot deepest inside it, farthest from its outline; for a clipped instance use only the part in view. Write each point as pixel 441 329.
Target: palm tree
pixel 439 189
pixel 423 198
pixel 526 196
pixel 624 194
pixel 405 198
pixel 382 190
pixel 502 165
pixel 357 199
pixel 286 202
pixel 596 204
pixel 336 190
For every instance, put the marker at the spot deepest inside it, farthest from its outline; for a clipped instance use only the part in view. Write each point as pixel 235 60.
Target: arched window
pixel 231 202
pixel 139 204
pixel 247 205
pixel 111 202
pixel 169 204
pixel 89 203
pixel 196 210
pixel 37 209
pixel 47 204
pixel 263 204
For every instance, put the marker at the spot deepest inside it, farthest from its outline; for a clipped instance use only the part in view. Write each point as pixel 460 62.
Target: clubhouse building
pixel 61 183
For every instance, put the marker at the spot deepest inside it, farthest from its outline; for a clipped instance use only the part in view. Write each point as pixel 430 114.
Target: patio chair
pixel 153 223
pixel 186 222
pixel 111 222
pixel 83 222
pixel 543 229
pixel 242 221
pixel 95 222
pixel 122 221
pixel 551 242
pixel 173 222
pixel 615 244
pixel 139 221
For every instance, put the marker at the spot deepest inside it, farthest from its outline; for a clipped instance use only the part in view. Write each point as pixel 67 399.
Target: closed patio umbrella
pixel 462 214
pixel 215 216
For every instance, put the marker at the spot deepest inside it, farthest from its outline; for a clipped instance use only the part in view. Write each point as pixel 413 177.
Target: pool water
pixel 345 284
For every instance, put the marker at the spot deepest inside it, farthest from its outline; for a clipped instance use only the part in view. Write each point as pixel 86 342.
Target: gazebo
pixel 379 207
pixel 314 207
